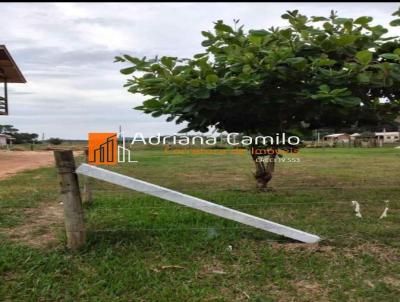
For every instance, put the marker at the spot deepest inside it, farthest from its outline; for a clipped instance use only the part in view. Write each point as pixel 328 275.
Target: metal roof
pixel 8 67
pixel 335 135
pixel 6 136
pixel 387 133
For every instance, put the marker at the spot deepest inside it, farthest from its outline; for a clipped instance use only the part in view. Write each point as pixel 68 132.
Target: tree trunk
pixel 264 172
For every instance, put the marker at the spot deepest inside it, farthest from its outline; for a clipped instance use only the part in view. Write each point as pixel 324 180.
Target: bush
pixel 55 141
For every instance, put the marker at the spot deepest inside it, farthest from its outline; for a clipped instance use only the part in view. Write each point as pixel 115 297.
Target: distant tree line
pixel 25 137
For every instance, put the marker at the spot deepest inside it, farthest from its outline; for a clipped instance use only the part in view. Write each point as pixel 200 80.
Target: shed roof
pixel 336 135
pixel 387 133
pixel 8 67
pixel 5 135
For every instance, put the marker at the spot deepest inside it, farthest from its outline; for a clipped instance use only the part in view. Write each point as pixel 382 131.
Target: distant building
pixel 354 136
pixel 5 140
pixel 388 137
pixel 372 139
pixel 337 138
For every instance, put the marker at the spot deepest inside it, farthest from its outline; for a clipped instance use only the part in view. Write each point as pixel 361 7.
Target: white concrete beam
pixel 195 203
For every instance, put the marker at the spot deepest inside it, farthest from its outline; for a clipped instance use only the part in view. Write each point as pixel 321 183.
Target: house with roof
pixel 388 137
pixel 354 136
pixel 5 140
pixel 365 139
pixel 9 73
pixel 335 138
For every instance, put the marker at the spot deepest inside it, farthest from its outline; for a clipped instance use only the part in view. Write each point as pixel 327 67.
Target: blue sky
pixel 66 51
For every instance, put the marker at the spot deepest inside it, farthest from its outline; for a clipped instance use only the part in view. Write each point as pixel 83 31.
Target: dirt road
pixel 12 162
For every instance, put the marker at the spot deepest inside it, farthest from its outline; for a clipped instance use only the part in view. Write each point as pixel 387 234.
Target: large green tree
pixel 318 72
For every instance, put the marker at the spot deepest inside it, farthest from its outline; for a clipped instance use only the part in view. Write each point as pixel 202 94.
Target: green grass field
pixel 141 248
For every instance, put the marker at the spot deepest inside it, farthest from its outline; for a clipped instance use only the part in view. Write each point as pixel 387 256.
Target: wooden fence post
pixel 73 211
pixel 87 187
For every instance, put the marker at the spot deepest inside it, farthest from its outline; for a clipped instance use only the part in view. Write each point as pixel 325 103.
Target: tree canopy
pixel 315 73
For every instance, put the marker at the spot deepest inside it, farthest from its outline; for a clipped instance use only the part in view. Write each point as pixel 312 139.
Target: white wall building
pixel 4 140
pixel 337 137
pixel 388 137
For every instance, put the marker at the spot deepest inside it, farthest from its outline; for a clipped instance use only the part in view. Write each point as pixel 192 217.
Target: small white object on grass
pixel 384 214
pixel 356 208
pixel 229 248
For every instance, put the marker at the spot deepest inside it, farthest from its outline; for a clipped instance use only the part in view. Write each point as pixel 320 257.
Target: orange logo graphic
pixel 103 148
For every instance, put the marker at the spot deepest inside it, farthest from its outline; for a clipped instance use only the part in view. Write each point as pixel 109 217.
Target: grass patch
pixel 141 248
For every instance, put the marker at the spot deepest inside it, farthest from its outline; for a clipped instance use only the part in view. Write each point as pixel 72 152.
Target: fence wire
pixel 267 205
